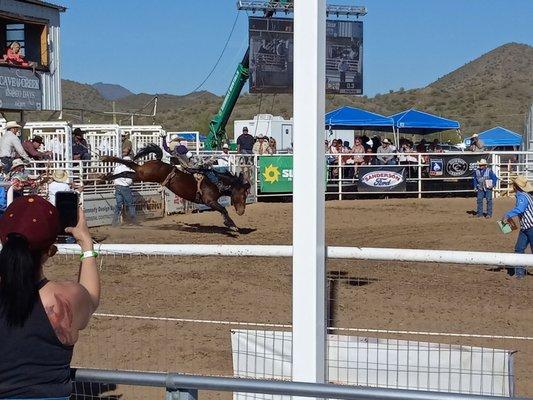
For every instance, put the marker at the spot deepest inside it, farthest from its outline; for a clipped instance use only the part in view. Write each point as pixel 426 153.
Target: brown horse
pixel 185 184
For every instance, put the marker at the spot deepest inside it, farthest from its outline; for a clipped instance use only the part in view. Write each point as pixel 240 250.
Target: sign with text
pixel 454 166
pixel 20 89
pixel 381 179
pixel 275 174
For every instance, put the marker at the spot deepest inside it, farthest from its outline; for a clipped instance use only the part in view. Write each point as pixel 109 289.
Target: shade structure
pixel 499 136
pixel 421 123
pixel 351 118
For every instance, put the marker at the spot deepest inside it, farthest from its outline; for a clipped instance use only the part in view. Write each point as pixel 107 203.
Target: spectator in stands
pixel 433 146
pixel 407 157
pixel 358 148
pixel 421 147
pixel 261 145
pixel 10 144
pixel 523 209
pixel 376 144
pixel 484 181
pixel 384 149
pixel 40 320
pixel 476 144
pixel 31 146
pixel 14 57
pixel 364 141
pixel 369 158
pixel 272 146
pixel 245 142
pixel 60 183
pixel 127 146
pixel 80 148
pixel 124 195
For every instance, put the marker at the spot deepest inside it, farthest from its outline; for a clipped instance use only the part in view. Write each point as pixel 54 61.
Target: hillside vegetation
pixel 494 89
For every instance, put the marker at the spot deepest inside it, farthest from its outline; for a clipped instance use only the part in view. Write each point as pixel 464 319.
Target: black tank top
pixel 33 362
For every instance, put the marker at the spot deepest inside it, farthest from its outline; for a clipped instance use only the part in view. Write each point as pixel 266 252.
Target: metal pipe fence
pixel 187 386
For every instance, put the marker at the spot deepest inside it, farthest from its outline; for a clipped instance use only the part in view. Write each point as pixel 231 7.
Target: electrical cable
pixel 220 56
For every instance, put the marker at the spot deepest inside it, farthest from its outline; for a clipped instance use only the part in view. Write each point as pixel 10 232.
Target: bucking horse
pixel 197 185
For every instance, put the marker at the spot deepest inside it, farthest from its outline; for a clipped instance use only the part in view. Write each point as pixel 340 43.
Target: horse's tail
pixel 150 148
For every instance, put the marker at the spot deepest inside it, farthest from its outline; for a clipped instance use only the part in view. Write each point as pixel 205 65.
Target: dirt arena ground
pixel 379 295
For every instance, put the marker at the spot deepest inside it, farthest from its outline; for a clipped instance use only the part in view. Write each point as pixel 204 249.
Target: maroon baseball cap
pixel 34 218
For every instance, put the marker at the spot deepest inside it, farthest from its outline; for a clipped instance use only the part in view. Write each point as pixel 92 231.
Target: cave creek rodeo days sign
pixel 20 89
pixel 454 166
pixel 381 179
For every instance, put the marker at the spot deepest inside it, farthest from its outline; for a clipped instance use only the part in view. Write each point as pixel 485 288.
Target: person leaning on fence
pixel 10 145
pixel 484 181
pixel 476 144
pixel 523 209
pixel 40 319
pixel 272 146
pixel 31 146
pixel 60 183
pixel 127 145
pixel 245 144
pixel 261 145
pixel 124 195
pixel 20 179
pixel 80 148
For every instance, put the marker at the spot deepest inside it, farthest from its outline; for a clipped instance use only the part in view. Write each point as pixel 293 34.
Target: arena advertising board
pixel 20 89
pixel 454 166
pixel 271 56
pixel 381 179
pixel 275 174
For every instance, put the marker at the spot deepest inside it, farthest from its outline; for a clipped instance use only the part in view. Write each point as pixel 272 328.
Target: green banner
pixel 275 174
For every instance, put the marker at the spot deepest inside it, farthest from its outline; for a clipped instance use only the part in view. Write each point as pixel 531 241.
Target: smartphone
pixel 67 208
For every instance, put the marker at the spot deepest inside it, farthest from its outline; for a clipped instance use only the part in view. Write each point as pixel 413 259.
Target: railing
pixel 185 387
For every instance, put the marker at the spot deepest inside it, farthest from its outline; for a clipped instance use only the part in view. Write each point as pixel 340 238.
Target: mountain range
pixel 494 89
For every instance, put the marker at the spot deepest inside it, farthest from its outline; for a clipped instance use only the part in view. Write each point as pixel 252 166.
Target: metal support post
pixel 339 163
pixel 419 175
pixel 308 306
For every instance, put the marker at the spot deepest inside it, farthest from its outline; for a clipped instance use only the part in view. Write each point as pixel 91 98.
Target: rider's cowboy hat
pixel 482 162
pixel 17 162
pixel 60 176
pixel 12 124
pixel 522 182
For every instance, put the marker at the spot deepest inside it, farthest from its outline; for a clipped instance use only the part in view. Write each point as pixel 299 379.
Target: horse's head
pixel 240 189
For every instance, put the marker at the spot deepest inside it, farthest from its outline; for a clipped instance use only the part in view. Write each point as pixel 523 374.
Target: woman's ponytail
pixel 18 279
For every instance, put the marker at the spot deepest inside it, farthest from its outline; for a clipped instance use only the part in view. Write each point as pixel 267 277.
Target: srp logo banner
pixel 275 174
pixel 381 179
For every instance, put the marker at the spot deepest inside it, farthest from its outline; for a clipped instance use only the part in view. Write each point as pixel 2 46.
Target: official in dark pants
pixel 484 181
pixel 524 211
pixel 123 195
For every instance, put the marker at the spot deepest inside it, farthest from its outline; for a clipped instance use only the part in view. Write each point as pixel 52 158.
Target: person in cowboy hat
pixel 10 144
pixel 40 319
pixel 60 183
pixel 32 148
pixel 20 179
pixel 80 148
pixel 261 145
pixel 476 144
pixel 386 148
pixel 523 209
pixel 484 180
pixel 127 145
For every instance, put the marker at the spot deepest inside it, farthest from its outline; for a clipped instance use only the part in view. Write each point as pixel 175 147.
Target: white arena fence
pixel 488 363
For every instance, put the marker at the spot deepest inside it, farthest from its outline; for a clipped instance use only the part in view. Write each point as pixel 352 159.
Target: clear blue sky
pixel 169 46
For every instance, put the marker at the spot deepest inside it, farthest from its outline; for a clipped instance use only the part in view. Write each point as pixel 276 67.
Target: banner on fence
pixel 454 166
pixel 386 363
pixel 275 174
pixel 381 179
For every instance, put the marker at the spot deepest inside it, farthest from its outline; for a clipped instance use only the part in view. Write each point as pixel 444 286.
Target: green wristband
pixel 88 254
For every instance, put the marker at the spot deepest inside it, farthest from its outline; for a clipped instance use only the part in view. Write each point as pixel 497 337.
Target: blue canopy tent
pixel 499 136
pixel 350 118
pixel 421 123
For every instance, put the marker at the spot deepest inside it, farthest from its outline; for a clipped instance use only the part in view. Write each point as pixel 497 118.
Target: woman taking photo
pixel 40 320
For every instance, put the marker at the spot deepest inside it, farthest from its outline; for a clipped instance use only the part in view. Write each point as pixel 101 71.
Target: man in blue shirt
pixel 484 181
pixel 524 211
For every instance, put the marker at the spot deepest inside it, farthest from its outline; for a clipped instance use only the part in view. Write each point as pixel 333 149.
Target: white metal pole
pixel 308 288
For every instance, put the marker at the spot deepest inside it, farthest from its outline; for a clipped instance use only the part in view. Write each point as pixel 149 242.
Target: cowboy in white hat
pixel 386 148
pixel 523 209
pixel 223 159
pixel 484 181
pixel 60 183
pixel 10 144
pixel 18 177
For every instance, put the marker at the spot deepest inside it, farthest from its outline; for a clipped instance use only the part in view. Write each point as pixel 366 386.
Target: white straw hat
pixel 12 124
pixel 60 176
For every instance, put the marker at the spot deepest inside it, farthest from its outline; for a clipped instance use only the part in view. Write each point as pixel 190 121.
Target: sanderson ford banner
pixel 20 89
pixel 381 179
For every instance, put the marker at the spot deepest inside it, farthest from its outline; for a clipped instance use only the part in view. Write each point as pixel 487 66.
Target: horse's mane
pixel 150 148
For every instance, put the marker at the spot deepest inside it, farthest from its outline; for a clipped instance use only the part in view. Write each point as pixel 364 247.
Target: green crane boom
pixel 217 126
